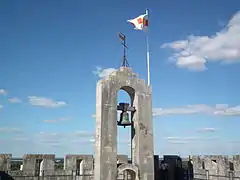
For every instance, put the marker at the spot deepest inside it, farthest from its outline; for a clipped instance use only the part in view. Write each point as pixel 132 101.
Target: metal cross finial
pixel 123 42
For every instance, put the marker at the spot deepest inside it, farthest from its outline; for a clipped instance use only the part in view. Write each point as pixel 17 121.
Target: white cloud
pixel 101 73
pixel 207 129
pixel 50 121
pixel 50 138
pixel 3 92
pixel 194 52
pixel 84 134
pixel 49 135
pixel 1 106
pixel 63 137
pixel 234 111
pixel 45 102
pixel 178 142
pixel 188 140
pixel 219 109
pixel 50 141
pixel 57 120
pixel 83 141
pixel 14 100
pixel 10 130
pixel 92 140
pixel 181 138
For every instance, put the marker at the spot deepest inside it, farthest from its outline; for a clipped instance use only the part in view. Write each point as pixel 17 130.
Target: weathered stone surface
pixel 46 162
pixel 122 158
pixel 5 162
pixel 236 165
pixel 106 125
pixel 39 156
pixel 202 166
pixel 216 166
pixel 132 170
pixel 85 171
pixel 70 162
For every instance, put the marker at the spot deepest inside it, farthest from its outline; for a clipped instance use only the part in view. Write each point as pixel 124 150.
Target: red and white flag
pixel 140 22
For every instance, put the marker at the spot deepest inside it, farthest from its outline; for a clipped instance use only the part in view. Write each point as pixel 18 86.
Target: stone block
pixel 72 162
pixel 36 164
pixel 5 162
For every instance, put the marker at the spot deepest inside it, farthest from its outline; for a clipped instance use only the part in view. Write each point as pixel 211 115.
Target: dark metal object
pixel 124 117
pixel 123 42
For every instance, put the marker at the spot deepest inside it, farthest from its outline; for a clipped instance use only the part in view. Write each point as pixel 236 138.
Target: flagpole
pixel 148 57
pixel 148 63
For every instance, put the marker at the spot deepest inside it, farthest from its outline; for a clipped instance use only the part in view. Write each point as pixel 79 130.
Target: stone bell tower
pixel 142 152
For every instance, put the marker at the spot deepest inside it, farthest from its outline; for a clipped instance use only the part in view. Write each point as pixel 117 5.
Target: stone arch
pixel 106 124
pixel 130 91
pixel 127 167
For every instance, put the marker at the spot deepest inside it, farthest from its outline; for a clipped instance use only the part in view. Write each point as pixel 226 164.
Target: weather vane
pixel 123 42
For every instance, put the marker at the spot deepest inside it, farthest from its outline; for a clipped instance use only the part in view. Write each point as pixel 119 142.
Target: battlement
pixel 71 165
pixel 39 156
pixel 35 165
pixel 6 156
pixel 216 165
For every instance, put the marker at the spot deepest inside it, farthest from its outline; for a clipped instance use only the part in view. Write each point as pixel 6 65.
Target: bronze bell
pixel 124 118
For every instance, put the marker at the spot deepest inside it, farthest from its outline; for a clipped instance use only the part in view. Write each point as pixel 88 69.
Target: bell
pixel 124 118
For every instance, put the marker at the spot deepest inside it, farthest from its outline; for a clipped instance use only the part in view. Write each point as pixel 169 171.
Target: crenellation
pixel 83 164
pixel 37 164
pixel 39 156
pixel 5 162
pixel 216 166
pixel 204 167
pixel 6 156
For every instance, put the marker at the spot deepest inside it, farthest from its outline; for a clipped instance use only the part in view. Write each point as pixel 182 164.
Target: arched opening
pixel 124 135
pixel 79 167
pixel 128 172
pixel 38 165
pixel 41 168
pixel 15 165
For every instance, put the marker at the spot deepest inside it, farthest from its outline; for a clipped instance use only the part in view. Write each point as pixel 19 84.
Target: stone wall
pixel 204 167
pixel 236 165
pixel 35 165
pixel 71 163
pixel 5 162
pixel 216 167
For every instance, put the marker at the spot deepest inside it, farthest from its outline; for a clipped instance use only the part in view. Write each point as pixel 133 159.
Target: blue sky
pixel 52 53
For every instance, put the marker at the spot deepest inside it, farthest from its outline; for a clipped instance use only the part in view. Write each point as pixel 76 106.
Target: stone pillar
pixel 236 165
pixel 5 162
pixel 106 125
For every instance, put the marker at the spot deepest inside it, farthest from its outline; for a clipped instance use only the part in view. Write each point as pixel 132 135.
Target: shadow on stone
pixel 173 168
pixel 5 176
